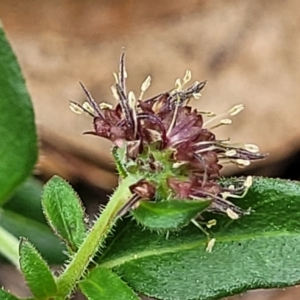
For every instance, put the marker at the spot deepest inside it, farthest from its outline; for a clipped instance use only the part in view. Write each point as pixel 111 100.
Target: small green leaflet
pixel 36 272
pixel 64 212
pixel 168 215
pixel 105 285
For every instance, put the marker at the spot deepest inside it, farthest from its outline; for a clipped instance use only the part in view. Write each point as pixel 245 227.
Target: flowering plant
pixel 168 146
pixel 146 241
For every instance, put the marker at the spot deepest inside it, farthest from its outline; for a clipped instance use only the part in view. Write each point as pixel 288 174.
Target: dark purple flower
pixel 170 143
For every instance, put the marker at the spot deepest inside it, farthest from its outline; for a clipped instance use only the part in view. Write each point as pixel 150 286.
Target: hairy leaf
pixel 168 215
pixel 119 165
pixel 36 272
pixel 18 146
pixel 103 284
pixel 257 251
pixel 6 295
pixel 64 211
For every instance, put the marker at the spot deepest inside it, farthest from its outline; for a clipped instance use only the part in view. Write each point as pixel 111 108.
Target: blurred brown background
pixel 249 51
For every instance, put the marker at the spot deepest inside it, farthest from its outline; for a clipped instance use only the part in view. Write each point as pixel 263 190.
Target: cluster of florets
pixel 164 135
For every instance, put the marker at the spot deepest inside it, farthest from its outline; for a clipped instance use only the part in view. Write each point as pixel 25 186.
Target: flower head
pixel 170 144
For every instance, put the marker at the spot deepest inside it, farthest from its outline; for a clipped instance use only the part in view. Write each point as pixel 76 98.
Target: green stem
pixel 9 246
pixel 94 240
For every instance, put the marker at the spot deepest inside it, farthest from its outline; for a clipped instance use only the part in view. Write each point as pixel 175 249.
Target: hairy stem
pixel 94 240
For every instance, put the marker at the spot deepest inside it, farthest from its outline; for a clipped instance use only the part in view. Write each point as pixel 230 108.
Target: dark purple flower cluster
pixel 164 135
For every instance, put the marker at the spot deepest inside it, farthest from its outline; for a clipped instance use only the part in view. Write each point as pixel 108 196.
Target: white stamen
pixel 248 182
pixel 75 108
pixel 225 195
pixel 197 96
pixel 132 104
pixel 231 214
pixel 225 121
pixel 248 211
pixel 231 187
pixel 242 162
pixel 225 142
pixel 125 74
pixel 187 77
pixel 221 123
pixel 131 100
pixel 252 148
pixel 145 86
pixel 178 84
pixel 211 223
pixel 210 245
pixel 236 109
pixel 115 93
pixel 88 107
pixel 105 105
pixel 116 77
pixel 232 112
pixel 207 113
pixel 230 153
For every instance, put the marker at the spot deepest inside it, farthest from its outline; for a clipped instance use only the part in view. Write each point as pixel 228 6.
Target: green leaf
pixel 105 285
pixel 18 147
pixel 37 233
pixel 27 200
pixel 64 211
pixel 257 251
pixel 168 215
pixel 117 154
pixel 36 272
pixel 7 296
